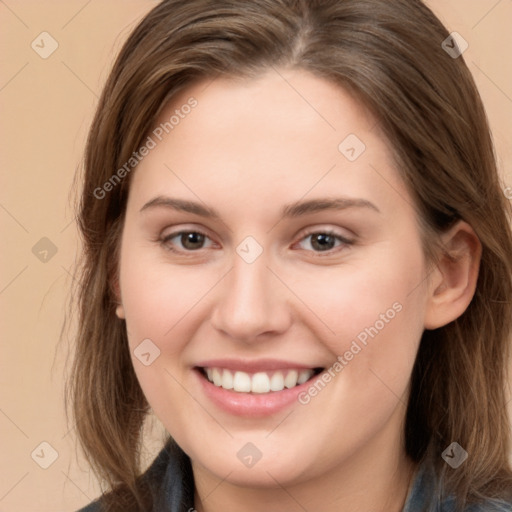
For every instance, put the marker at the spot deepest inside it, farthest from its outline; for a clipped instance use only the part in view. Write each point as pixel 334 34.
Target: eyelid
pixel 163 240
pixel 171 231
pixel 311 230
pixel 328 231
pixel 345 241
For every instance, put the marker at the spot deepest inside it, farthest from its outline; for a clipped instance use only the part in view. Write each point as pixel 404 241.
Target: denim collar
pixel 426 495
pixel 177 491
pixel 171 481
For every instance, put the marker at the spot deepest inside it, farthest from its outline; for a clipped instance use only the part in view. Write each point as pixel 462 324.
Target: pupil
pixel 322 241
pixel 192 240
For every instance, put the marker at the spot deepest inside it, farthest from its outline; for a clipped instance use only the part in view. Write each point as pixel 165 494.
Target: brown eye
pixel 323 241
pixel 188 240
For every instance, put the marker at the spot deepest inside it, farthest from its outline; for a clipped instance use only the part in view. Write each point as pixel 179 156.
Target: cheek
pixel 369 314
pixel 383 289
pixel 159 302
pixel 158 298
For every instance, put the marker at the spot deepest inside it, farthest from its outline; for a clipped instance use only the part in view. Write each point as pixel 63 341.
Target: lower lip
pixel 251 404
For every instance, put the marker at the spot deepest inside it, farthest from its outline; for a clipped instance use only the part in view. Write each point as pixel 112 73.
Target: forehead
pixel 274 100
pixel 287 130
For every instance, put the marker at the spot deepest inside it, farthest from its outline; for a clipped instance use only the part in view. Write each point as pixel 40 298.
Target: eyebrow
pixel 292 210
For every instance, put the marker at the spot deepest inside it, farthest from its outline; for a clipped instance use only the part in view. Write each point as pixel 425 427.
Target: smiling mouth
pixel 260 382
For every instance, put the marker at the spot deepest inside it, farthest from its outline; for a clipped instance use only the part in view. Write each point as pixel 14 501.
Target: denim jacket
pixel 172 484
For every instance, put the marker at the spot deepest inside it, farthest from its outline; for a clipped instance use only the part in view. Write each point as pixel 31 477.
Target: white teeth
pixel 227 379
pixel 304 376
pixel 277 382
pixel 290 380
pixel 260 382
pixel 242 382
pixel 217 377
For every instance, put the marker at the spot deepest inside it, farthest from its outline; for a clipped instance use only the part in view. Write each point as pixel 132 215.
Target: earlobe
pixel 115 289
pixel 453 280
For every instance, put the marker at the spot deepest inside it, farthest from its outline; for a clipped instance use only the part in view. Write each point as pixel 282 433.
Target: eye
pixel 189 240
pixel 324 241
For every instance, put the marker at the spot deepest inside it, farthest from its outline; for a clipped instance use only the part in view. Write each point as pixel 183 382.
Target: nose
pixel 251 302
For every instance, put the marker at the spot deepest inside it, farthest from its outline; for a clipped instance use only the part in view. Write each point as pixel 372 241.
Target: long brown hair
pixel 389 53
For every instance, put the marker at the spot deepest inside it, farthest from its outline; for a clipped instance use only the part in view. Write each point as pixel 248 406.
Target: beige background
pixel 46 106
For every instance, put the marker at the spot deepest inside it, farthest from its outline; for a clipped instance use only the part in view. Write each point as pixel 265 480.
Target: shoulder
pixel 169 479
pixel 92 507
pixel 424 496
pixel 487 506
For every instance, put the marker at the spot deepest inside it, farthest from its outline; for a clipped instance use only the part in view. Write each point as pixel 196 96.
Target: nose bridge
pixel 250 282
pixel 251 302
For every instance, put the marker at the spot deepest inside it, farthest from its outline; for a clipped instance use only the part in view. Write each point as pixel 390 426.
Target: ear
pixel 452 282
pixel 120 312
pixel 116 290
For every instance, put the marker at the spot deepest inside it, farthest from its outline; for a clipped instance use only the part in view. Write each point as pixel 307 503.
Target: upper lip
pixel 255 365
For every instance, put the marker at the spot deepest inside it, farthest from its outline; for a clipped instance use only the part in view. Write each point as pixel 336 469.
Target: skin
pixel 344 449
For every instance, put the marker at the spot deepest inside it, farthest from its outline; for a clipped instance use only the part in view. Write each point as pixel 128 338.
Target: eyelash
pixel 187 253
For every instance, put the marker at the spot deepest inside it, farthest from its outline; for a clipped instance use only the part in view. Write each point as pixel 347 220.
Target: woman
pixel 297 255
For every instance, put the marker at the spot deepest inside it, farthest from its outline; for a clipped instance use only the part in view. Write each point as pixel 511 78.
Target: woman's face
pixel 301 253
